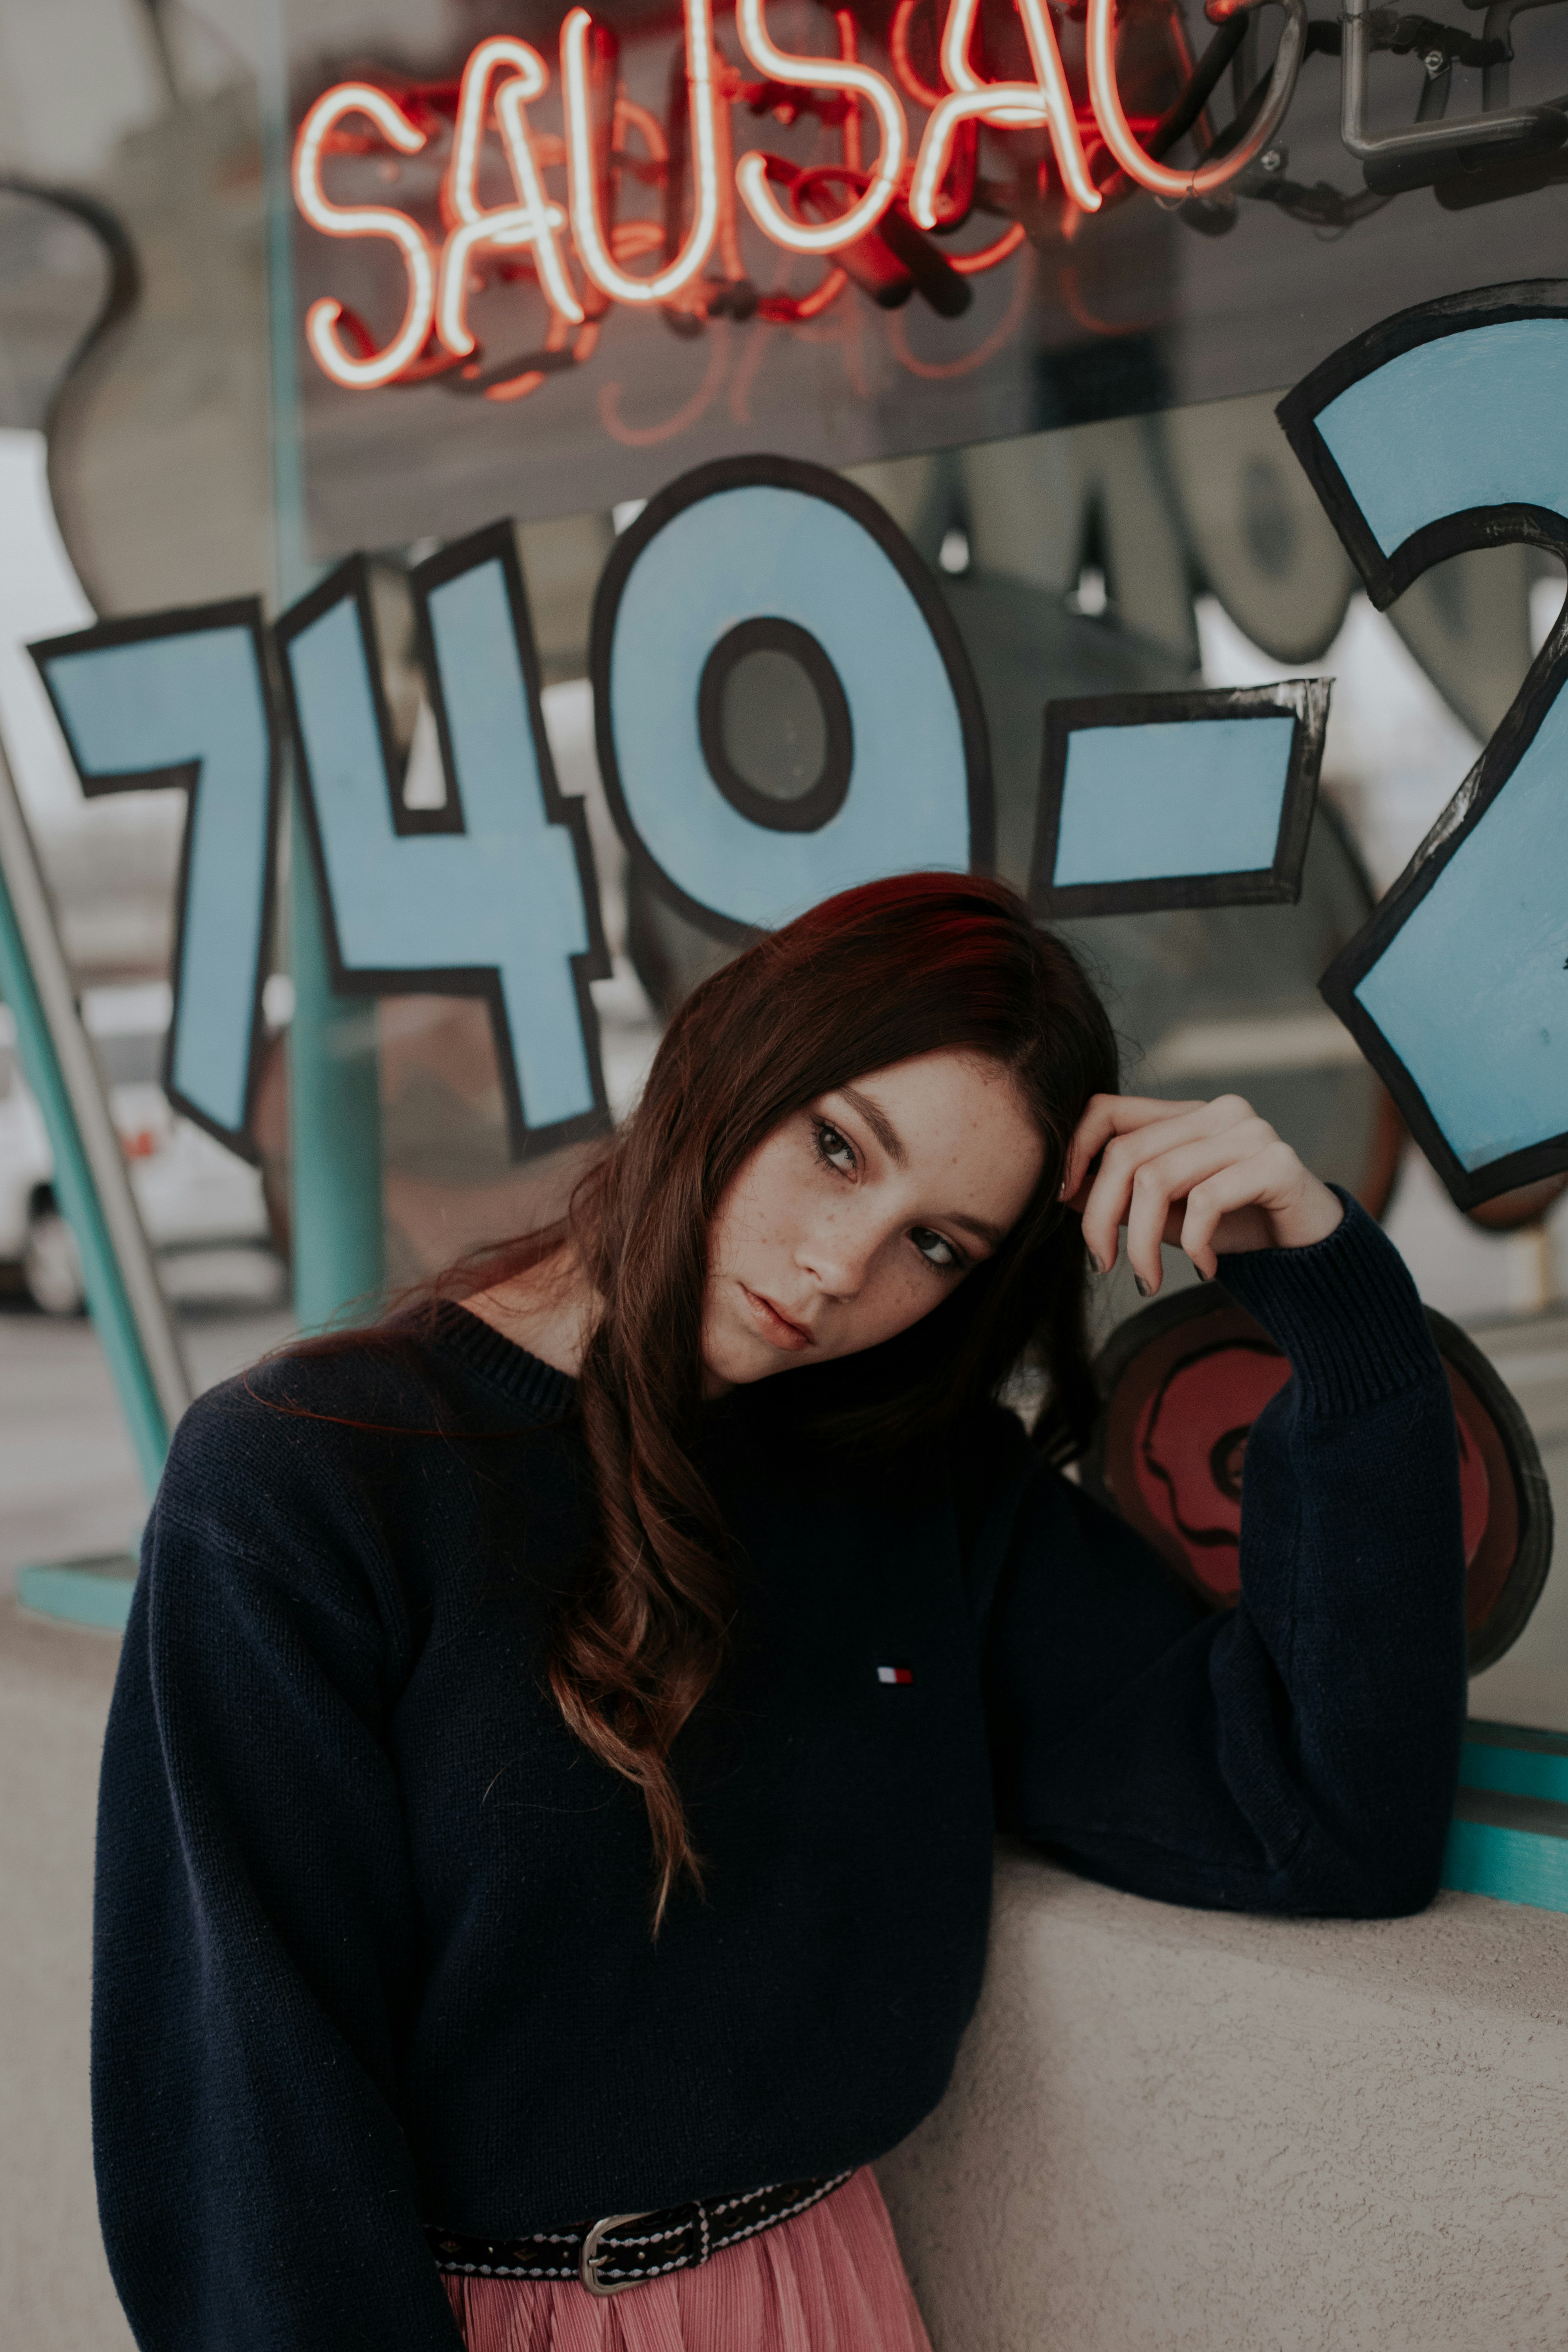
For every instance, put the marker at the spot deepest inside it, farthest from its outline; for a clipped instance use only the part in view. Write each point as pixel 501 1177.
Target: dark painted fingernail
pixel 1095 1267
pixel 1143 1289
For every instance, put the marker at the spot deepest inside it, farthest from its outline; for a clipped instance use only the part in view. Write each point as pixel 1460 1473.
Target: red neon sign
pixel 1010 106
pixel 367 368
pixel 533 222
pixel 853 82
pixel 918 184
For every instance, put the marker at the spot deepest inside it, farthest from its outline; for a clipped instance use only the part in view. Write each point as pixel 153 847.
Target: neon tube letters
pixel 1012 106
pixel 371 368
pixel 504 77
pixel 585 168
pixel 531 221
pixel 858 82
pixel 922 178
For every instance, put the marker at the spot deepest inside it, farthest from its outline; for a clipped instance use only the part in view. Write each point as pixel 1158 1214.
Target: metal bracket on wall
pixel 1433 148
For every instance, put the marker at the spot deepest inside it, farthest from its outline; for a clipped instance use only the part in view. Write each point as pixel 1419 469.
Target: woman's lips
pixel 774 1325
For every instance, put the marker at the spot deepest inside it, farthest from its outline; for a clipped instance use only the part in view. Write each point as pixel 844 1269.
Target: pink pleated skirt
pixel 828 2281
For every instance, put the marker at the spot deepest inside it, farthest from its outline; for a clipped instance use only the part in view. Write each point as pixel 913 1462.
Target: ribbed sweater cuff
pixel 1344 1310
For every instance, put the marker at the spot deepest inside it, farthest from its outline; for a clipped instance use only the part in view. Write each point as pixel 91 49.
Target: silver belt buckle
pixel 588 2260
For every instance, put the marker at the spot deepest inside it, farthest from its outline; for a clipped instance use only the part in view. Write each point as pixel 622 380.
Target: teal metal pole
pixel 334 1107
pixel 124 1295
pixel 334 1097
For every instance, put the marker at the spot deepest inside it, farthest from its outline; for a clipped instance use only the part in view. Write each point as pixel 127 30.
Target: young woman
pixel 548 1802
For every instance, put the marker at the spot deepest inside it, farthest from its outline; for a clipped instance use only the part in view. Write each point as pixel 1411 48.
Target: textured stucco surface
pixel 1174 2131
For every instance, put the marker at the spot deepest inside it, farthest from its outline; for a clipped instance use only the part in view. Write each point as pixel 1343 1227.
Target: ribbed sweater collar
pixel 546 1394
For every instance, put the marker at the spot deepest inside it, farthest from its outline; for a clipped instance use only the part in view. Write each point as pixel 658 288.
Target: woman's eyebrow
pixel 887 1136
pixel 993 1235
pixel 880 1125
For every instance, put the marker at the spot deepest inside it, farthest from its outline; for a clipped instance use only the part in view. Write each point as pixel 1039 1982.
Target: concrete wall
pixel 1172 2131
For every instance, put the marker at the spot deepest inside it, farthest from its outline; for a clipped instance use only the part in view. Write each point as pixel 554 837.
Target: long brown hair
pixel 910 965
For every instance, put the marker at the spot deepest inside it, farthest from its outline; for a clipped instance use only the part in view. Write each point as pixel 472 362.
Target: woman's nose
pixel 836 1261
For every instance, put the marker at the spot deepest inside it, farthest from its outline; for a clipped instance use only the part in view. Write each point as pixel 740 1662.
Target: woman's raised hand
pixel 1211 1177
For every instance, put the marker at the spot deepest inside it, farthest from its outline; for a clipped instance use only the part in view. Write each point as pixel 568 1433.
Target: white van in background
pixel 197 1199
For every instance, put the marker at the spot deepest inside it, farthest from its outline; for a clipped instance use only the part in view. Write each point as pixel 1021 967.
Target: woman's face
pixel 862 1212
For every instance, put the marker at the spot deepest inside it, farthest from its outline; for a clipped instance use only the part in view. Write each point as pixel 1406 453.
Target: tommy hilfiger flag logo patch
pixel 895 1673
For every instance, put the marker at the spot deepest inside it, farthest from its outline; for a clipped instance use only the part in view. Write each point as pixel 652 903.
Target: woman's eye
pixel 834 1149
pixel 933 1249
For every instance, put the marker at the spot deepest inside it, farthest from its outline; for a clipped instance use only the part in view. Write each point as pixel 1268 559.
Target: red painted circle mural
pixel 1185 1381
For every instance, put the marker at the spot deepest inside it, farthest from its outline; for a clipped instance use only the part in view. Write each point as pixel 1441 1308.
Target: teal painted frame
pixel 1510 1836
pixel 1514 1762
pixel 335 1090
pixel 95 1592
pixel 1513 1865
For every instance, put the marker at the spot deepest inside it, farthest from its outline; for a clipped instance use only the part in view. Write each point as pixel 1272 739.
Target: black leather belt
pixel 626 2250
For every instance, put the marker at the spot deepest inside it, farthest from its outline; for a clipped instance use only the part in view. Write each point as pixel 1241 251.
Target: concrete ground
pixel 68 1486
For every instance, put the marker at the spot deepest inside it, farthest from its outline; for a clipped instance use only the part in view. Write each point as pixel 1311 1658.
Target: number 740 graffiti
pixel 1452 990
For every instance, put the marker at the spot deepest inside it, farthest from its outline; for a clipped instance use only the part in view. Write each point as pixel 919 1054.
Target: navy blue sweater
pixel 372 1940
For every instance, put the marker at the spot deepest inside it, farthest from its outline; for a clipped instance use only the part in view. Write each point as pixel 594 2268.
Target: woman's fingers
pixel 1296 1208
pixel 1108 1116
pixel 1105 1202
pixel 1162 1186
pixel 1179 1170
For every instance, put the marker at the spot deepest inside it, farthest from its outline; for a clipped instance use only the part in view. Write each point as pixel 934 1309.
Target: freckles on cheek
pixel 900 1304
pixel 753 1212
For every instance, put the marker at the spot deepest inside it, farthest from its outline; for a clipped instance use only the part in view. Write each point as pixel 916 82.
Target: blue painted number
pixel 1152 801
pixel 501 900
pixel 182 698
pixel 1446 429
pixel 766 558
